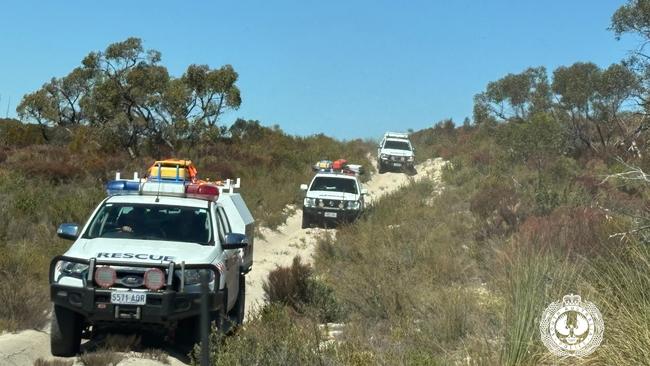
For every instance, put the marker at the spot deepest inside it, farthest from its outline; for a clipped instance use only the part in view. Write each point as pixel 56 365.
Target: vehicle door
pixel 362 198
pixel 231 257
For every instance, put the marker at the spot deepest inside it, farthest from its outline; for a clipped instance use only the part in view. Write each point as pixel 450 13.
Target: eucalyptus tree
pixel 127 92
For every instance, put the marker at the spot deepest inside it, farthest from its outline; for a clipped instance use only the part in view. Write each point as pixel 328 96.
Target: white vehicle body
pixel 216 238
pixel 332 196
pixel 395 151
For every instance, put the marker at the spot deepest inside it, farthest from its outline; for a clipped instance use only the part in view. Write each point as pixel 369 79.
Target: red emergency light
pixel 203 191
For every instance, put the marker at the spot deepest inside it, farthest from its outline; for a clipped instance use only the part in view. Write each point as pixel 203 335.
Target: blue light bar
pixel 122 187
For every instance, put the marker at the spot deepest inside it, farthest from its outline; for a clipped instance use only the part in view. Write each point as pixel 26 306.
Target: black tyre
pixel 380 167
pixel 188 330
pixel 220 318
pixel 236 314
pixel 305 221
pixel 65 335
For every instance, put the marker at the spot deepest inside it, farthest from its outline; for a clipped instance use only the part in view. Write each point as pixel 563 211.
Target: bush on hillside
pixel 298 288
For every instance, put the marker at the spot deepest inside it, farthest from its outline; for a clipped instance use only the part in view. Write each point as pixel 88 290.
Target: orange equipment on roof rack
pixel 339 164
pixel 173 170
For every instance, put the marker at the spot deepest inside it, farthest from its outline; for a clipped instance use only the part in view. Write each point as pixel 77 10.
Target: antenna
pixel 8 103
pixel 159 180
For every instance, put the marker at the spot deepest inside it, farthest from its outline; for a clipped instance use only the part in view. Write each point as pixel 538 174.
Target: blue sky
pixel 344 68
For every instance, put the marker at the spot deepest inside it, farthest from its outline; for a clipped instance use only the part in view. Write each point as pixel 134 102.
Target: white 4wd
pixel 332 197
pixel 395 151
pixel 139 259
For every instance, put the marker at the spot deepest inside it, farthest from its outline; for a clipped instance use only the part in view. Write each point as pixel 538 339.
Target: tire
pixel 305 221
pixel 65 335
pixel 188 331
pixel 221 319
pixel 237 313
pixel 380 167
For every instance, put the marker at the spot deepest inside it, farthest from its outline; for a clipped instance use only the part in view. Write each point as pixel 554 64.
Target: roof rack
pixel 171 177
pixel 397 135
pixel 338 166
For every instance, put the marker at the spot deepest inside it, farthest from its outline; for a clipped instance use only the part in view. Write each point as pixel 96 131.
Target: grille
pixel 133 278
pixel 331 203
pixel 130 279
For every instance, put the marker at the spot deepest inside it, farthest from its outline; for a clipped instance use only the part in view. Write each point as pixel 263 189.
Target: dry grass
pixel 156 355
pixel 21 291
pixel 101 358
pixel 44 362
pixel 121 343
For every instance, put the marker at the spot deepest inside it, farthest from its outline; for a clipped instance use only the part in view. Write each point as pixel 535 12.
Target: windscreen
pixel 334 184
pixel 151 222
pixel 396 144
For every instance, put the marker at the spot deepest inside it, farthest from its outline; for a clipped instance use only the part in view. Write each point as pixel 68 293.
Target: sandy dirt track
pixel 278 248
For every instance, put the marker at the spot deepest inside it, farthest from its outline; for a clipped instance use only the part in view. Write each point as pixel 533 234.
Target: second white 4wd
pixel 332 197
pixel 395 152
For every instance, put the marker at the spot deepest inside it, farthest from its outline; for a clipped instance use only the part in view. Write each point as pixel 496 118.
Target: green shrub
pixel 288 285
pixel 621 279
pixel 16 134
pixel 531 280
pixel 297 288
pixel 271 337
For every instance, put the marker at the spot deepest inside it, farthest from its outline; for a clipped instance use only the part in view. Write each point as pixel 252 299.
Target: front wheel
pixel 65 336
pixel 380 167
pixel 305 221
pixel 237 313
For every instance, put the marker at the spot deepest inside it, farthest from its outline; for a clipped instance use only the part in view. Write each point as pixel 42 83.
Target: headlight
pixel 410 158
pixel 309 202
pixel 383 156
pixel 354 205
pixel 193 276
pixel 73 269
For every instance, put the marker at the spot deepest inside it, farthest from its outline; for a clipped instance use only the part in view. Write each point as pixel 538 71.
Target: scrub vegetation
pixel 44 183
pixel 544 194
pixel 505 237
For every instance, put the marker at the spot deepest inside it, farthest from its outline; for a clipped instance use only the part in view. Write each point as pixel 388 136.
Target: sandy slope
pixel 281 246
pixel 278 248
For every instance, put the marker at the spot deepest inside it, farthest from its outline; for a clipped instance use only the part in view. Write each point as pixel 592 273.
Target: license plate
pixel 397 164
pixel 330 214
pixel 128 298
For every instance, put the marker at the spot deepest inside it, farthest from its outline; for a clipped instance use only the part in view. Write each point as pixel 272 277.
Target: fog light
pixel 105 276
pixel 154 279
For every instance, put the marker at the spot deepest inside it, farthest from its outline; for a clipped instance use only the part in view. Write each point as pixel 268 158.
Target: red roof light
pixel 202 191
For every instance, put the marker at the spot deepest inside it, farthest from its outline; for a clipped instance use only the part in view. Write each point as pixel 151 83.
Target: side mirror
pixel 69 231
pixel 235 241
pixel 364 191
pixel 303 187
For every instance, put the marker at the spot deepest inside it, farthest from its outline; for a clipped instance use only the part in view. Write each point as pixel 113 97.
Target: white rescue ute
pixel 139 259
